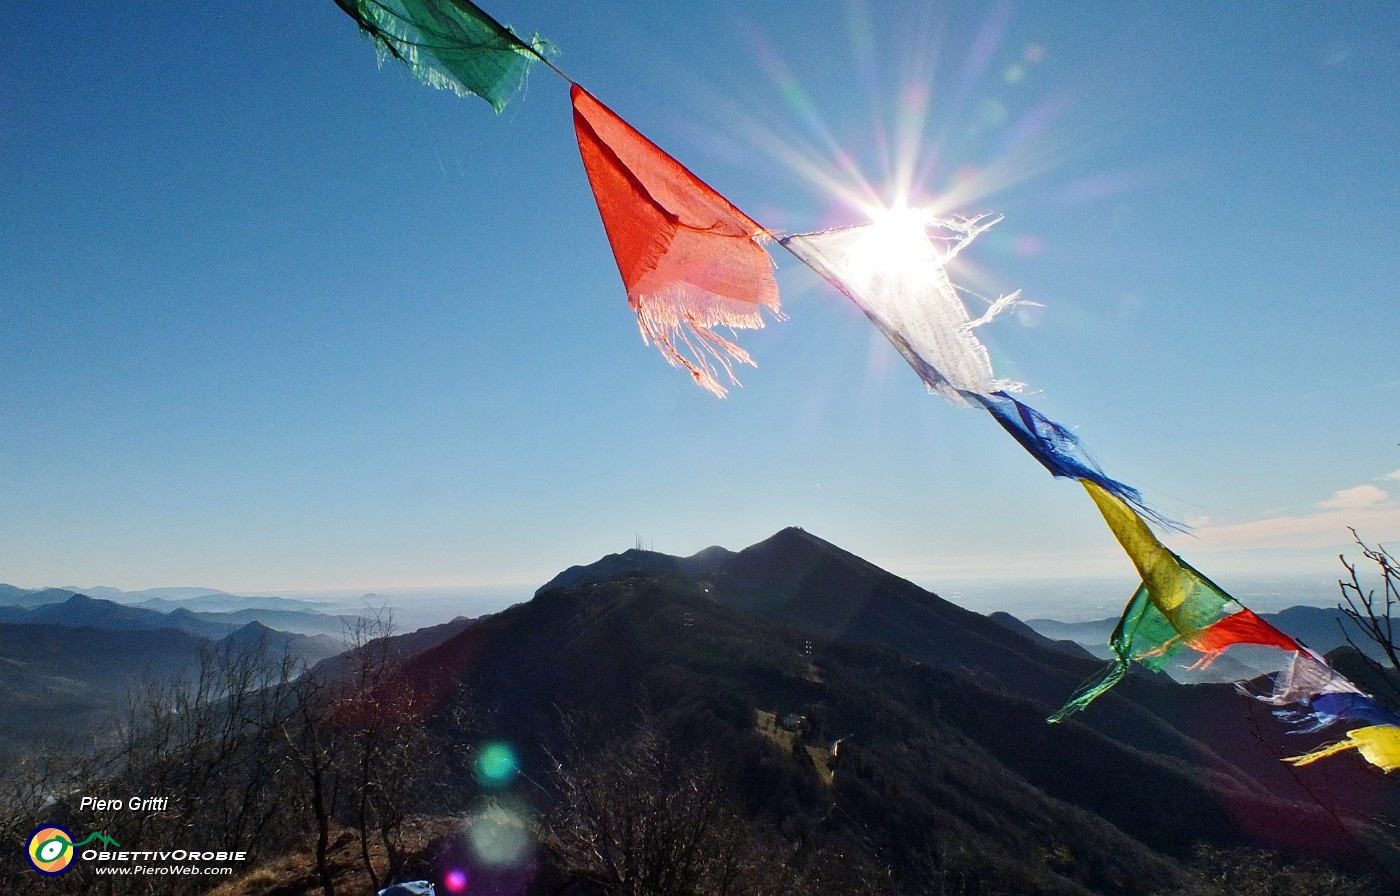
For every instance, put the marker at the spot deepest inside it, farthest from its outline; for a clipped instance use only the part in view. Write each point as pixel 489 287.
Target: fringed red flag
pixel 1243 627
pixel 689 259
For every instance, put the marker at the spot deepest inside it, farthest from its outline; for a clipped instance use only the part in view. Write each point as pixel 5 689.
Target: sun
pixel 897 237
pixel 898 220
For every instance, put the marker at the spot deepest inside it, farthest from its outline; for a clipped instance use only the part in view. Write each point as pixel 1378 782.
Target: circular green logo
pixel 50 849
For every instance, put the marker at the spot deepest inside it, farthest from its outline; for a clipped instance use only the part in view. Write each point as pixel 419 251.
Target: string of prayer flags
pixel 1146 636
pixel 692 263
pixel 450 44
pixel 689 259
pixel 1326 698
pixel 1325 695
pixel 1176 606
pixel 895 270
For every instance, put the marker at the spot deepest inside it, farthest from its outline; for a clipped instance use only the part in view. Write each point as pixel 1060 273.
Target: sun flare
pixel 897 239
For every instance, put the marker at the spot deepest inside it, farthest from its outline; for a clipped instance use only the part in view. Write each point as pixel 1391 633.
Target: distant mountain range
pixel 80 611
pixel 200 611
pixel 62 679
pixel 10 596
pixel 218 603
pixel 130 597
pixel 68 660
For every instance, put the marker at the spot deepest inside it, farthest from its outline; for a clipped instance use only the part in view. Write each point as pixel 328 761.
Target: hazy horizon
pixel 1061 598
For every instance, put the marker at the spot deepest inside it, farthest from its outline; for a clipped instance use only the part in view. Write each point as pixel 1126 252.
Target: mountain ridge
pixel 797 626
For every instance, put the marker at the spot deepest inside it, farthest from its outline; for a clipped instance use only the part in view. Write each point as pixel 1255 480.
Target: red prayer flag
pixel 689 259
pixel 1243 627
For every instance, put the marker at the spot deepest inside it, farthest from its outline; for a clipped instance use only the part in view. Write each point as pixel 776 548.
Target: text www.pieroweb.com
pixel 187 870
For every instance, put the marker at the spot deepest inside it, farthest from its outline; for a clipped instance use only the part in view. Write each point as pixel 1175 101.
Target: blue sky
pixel 279 319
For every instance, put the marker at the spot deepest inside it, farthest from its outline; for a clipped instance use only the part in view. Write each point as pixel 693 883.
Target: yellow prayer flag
pixel 1377 744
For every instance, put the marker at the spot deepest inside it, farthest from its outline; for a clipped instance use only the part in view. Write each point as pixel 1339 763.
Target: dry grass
pixel 294 873
pixel 767 724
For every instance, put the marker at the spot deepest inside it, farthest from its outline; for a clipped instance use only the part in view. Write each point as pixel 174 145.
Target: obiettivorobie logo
pixel 51 849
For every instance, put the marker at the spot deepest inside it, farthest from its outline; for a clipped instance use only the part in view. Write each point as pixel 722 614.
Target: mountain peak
pixel 713 552
pixel 793 535
pixel 254 628
pixel 630 562
pixel 795 538
pixel 787 549
pixel 793 554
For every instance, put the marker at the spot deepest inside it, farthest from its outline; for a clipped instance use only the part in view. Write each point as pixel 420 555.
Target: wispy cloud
pixel 1392 477
pixel 1358 499
pixel 1370 510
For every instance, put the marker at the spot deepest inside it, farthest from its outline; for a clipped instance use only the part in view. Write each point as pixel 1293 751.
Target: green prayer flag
pixel 1143 634
pixel 450 44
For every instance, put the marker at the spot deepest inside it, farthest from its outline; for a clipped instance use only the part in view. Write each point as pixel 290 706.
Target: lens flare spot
pixel 1030 314
pixel 1014 74
pixel 991 112
pixel 496 765
pixel 962 178
pixel 1027 245
pixel 455 881
pixel 498 838
pixel 914 98
pixel 1034 53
